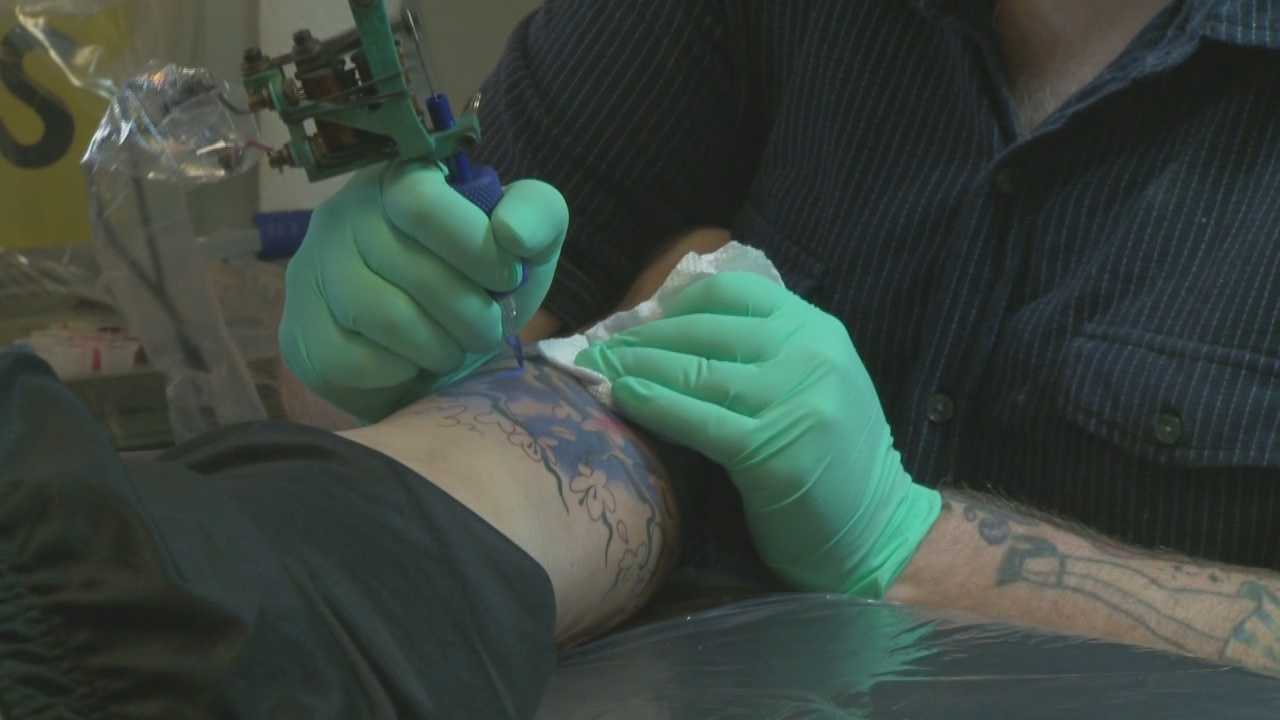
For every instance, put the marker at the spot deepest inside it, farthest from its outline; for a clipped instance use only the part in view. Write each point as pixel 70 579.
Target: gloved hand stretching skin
pixel 389 297
pixel 771 388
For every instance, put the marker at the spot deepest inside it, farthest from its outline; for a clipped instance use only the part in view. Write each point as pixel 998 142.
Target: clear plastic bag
pixel 36 280
pixel 46 261
pixel 159 281
pixel 809 657
pixel 175 125
pixel 170 128
pixel 167 129
pixel 100 67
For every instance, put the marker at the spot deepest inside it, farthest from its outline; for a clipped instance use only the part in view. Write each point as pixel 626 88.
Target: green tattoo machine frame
pixel 350 102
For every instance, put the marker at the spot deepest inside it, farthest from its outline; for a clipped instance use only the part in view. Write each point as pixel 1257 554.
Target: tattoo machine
pixel 350 103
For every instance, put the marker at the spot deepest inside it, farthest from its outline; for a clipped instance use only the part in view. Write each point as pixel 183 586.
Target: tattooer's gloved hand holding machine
pixel 393 293
pixel 424 264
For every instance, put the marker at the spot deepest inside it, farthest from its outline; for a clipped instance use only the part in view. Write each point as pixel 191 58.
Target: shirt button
pixel 1168 429
pixel 1006 181
pixel 941 409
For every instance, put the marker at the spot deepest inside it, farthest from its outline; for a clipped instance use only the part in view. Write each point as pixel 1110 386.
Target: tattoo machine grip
pixel 481 185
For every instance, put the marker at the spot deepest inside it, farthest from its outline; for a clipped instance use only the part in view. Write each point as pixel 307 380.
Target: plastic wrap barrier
pixel 808 657
pixel 166 129
pixel 150 148
pixel 175 125
pixel 46 122
pixel 62 61
pixel 159 282
pixel 99 44
pixel 182 124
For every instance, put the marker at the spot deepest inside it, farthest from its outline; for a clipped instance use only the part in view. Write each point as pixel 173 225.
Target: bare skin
pixel 986 558
pixel 540 460
pixel 1053 49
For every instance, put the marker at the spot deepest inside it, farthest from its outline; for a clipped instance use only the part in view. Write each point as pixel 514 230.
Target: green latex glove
pixel 770 387
pixel 389 296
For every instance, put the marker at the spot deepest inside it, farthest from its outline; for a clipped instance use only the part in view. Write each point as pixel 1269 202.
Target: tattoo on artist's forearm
pixel 1177 615
pixel 995 526
pixel 589 455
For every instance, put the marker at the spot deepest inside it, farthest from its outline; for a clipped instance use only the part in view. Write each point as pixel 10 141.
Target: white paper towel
pixel 733 257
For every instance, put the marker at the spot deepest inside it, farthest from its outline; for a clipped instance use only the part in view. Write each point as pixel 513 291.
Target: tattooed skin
pixel 593 460
pixel 1196 609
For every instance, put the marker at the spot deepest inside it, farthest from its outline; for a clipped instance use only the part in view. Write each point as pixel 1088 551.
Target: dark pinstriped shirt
pixel 1085 318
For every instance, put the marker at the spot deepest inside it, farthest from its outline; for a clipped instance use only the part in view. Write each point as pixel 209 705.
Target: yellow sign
pixel 46 123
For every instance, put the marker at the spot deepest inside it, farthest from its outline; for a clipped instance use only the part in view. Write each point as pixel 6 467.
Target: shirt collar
pixel 1249 23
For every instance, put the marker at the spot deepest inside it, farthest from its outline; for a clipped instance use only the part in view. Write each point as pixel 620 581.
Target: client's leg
pixel 273 570
pixel 541 460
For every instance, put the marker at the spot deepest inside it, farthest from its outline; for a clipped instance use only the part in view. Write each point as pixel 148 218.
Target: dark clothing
pixel 1086 319
pixel 267 571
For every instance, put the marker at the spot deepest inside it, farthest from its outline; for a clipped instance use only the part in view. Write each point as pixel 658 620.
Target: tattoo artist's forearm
pixel 600 470
pixel 1027 570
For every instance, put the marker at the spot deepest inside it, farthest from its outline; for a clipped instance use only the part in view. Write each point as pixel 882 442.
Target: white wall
pixel 277 21
pixel 464 40
pixel 220 30
pixel 467 38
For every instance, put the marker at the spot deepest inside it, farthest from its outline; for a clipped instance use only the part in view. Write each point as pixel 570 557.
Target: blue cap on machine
pixel 281 232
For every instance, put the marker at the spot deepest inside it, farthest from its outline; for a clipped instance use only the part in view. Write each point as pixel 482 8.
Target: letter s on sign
pixel 59 125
